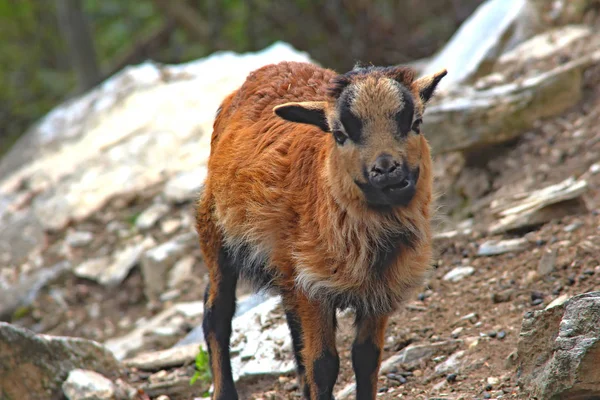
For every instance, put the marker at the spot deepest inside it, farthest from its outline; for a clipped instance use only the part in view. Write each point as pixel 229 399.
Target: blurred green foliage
pixel 35 71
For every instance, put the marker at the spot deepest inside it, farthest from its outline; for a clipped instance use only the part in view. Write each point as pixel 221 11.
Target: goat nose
pixel 384 165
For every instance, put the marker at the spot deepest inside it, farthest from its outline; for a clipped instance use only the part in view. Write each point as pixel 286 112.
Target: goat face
pixel 374 116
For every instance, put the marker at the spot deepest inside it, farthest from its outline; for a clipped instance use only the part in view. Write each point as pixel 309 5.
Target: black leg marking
pixel 326 369
pixel 218 313
pixel 296 331
pixel 366 354
pixel 365 357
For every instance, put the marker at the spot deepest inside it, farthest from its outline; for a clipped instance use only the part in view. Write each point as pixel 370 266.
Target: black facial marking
pixel 404 117
pixel 217 322
pixel 365 357
pixel 352 124
pixel 326 369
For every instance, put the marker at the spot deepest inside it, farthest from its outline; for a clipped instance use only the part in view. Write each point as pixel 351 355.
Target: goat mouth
pixel 405 183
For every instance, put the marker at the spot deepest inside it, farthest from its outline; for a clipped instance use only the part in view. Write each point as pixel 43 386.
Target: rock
pixel 459 273
pixel 479 39
pixel 471 119
pixel 185 186
pixel 170 226
pixel 561 12
pixel 139 128
pixel 124 261
pixel 559 301
pixel 92 269
pixel 451 366
pixel 111 273
pixel 409 357
pixel 412 355
pixel 26 291
pixel 261 350
pixel 35 366
pixel 150 216
pixel 158 261
pixel 503 296
pixel 547 262
pixel 21 234
pixel 493 381
pixel 88 385
pixel 573 227
pixel 495 247
pixel 181 272
pixel 558 350
pixel 158 360
pixel 544 45
pixel 79 238
pixel 170 321
pixel 539 206
pixel 244 305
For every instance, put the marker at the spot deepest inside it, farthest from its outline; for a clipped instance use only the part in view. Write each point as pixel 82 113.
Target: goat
pixel 318 189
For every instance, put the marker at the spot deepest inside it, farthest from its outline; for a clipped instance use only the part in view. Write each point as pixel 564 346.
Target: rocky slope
pixel 97 239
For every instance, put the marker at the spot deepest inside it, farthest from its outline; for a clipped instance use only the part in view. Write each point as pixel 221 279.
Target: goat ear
pixel 306 112
pixel 426 85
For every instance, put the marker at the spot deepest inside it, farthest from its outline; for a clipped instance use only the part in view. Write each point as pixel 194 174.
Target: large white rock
pixel 88 385
pixel 479 38
pixel 139 128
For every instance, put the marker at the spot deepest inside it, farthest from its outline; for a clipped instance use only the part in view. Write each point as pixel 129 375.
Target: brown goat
pixel 319 188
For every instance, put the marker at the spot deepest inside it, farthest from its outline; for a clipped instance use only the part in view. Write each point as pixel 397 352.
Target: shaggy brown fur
pixel 282 207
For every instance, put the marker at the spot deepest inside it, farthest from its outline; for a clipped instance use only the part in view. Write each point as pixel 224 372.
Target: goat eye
pixel 339 137
pixel 416 126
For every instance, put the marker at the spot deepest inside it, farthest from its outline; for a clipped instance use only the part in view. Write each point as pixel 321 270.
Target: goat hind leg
pixel 219 308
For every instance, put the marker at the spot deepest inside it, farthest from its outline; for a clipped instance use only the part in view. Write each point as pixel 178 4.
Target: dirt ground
pixel 494 298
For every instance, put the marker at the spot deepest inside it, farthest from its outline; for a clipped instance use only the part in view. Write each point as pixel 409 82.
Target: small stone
pixel 531 277
pixel 92 269
pixel 79 238
pixel 492 380
pixel 150 216
pixel 456 333
pixel 163 397
pixel 547 262
pixel 417 373
pixel 291 386
pixel 156 262
pixel 170 295
pixel 170 226
pixel 451 378
pixel 537 302
pixel 469 317
pixel 492 334
pixel 559 301
pixel 495 247
pixel 502 297
pixel 458 274
pixel 501 335
pixel 572 227
pixel 595 168
pixel 88 385
pixel 181 272
pixel 487 395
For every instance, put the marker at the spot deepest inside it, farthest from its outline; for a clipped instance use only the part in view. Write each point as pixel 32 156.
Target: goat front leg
pixel 319 355
pixel 366 354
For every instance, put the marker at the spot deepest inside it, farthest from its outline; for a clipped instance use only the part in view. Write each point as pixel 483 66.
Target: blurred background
pixel 53 49
pixel 106 113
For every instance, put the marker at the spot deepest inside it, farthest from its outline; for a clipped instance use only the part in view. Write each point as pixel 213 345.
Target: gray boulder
pixel 558 350
pixel 35 366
